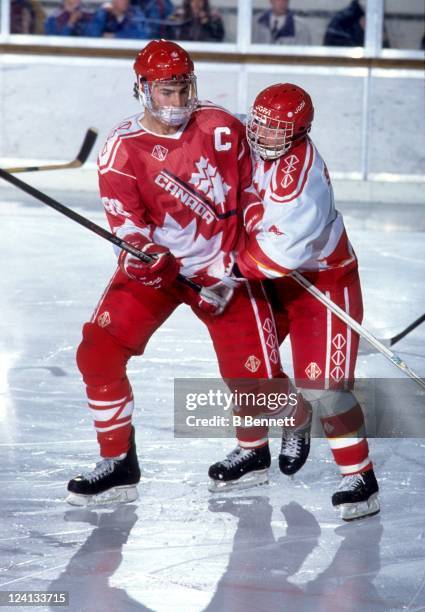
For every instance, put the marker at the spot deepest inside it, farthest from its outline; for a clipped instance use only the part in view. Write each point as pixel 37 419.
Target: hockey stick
pixel 406 331
pixel 100 231
pixel 337 311
pixel 391 341
pixel 84 152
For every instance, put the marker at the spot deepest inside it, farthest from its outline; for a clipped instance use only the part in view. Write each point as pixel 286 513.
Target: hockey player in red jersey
pixel 292 224
pixel 170 180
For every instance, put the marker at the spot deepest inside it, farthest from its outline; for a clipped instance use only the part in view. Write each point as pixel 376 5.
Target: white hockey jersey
pixel 290 217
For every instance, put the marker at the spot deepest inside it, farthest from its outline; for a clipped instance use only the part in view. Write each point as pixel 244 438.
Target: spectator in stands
pixel 26 17
pixel 70 20
pixel 346 28
pixel 117 19
pixel 157 13
pixel 278 25
pixel 197 21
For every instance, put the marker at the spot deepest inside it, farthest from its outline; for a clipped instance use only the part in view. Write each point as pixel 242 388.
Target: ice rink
pixel 279 547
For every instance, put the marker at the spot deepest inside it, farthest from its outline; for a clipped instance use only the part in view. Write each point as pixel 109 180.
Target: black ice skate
pixel 112 480
pixel 294 449
pixel 242 468
pixel 357 496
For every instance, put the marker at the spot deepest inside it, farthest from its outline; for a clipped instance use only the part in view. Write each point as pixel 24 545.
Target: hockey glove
pixel 215 299
pixel 160 273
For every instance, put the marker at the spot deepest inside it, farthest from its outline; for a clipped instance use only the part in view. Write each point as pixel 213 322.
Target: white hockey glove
pixel 214 299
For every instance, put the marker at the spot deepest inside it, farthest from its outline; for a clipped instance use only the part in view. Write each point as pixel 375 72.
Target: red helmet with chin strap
pixel 163 60
pixel 281 115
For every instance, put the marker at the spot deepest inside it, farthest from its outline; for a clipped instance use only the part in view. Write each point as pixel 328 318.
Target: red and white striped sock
pixel 345 434
pixel 112 407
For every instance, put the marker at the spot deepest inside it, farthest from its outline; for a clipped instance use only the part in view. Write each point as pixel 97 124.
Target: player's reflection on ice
pixel 260 566
pixel 258 576
pixel 88 573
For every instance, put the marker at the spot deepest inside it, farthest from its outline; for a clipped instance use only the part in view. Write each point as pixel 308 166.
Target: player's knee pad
pixel 100 359
pixel 329 402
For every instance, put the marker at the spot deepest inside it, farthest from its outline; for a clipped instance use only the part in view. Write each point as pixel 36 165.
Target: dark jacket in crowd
pixel 210 31
pixel 344 29
pixel 132 25
pixel 57 24
pixel 156 12
pixel 22 17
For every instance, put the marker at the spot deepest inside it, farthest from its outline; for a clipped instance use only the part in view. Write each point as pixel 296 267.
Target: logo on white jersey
pixel 209 181
pixel 159 152
pixel 252 363
pixel 275 230
pixel 115 207
pixel 313 371
pixel 289 166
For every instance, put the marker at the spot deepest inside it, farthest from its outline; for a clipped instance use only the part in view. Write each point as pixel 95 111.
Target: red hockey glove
pixel 160 273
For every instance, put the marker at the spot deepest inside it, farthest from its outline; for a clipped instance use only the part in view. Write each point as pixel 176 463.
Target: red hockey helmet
pixel 281 115
pixel 163 60
pixel 166 62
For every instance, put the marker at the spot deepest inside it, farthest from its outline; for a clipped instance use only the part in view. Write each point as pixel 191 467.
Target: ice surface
pixel 279 547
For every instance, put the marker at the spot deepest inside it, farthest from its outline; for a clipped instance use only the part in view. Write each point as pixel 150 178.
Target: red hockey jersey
pixel 183 190
pixel 291 217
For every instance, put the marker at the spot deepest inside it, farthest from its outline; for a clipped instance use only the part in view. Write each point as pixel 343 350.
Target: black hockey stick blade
pixel 408 329
pixel 366 349
pixel 87 146
pixel 83 153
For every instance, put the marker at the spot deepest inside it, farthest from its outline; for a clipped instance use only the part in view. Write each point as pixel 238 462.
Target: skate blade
pixel 116 495
pixel 245 482
pixel 351 512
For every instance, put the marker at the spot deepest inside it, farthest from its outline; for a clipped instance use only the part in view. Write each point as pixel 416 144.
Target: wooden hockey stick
pixel 363 333
pixel 208 294
pixel 84 152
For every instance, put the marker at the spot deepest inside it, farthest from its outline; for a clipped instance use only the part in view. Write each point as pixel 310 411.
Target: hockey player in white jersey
pixel 292 224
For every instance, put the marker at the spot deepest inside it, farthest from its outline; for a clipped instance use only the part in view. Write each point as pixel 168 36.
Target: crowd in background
pixel 194 20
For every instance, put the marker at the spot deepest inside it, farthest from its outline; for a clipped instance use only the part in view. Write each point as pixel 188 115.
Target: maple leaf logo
pixel 209 181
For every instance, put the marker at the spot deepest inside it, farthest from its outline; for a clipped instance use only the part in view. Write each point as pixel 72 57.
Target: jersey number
pixel 219 142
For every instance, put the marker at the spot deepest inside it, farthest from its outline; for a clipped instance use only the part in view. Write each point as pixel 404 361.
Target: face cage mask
pixel 279 137
pixel 172 116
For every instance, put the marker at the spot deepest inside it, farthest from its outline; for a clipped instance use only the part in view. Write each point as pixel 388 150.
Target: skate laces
pixel 238 455
pixel 291 446
pixel 291 443
pixel 349 483
pixel 103 468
